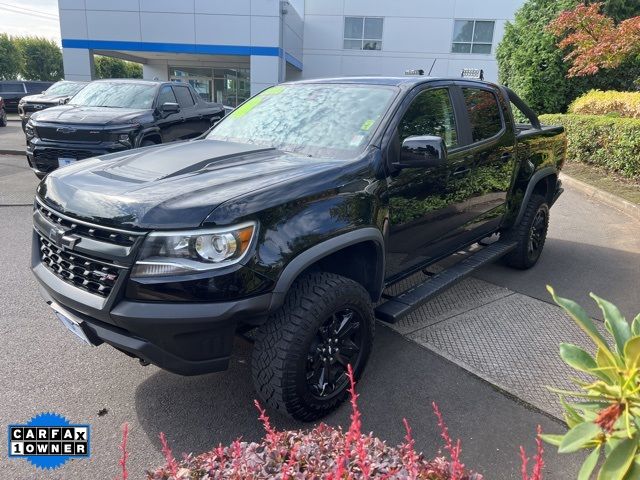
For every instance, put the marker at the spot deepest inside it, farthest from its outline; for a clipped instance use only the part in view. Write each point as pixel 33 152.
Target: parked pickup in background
pixel 13 90
pixel 57 94
pixel 109 116
pixel 291 218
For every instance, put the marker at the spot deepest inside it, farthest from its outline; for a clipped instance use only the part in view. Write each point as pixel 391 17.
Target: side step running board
pixel 395 308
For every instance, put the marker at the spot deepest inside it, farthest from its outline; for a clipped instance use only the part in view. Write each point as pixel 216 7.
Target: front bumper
pixel 184 337
pixel 43 155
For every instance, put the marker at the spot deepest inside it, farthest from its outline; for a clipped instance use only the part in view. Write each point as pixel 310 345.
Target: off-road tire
pixel 536 216
pixel 147 143
pixel 283 343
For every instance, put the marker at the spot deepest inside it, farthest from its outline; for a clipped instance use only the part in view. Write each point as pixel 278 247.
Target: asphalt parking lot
pixel 43 368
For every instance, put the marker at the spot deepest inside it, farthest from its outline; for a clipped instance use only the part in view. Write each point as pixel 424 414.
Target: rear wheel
pixel 148 143
pixel 530 234
pixel 3 118
pixel 300 357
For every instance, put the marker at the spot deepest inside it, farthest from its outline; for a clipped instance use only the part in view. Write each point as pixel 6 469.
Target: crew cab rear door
pixel 489 139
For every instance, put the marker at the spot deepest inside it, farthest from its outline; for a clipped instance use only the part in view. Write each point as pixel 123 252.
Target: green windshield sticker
pixel 273 91
pixel 367 125
pixel 246 107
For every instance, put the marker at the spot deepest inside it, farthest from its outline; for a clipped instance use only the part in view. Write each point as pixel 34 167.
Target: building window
pixel 472 36
pixel 363 33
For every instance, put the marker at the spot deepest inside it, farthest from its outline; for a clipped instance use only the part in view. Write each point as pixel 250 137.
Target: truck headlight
pixel 175 253
pixel 29 130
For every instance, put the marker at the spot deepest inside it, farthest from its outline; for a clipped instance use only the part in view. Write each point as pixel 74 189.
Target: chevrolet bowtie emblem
pixel 66 130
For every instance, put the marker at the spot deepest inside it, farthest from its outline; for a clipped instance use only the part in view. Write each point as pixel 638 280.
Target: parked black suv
pixel 13 90
pixel 57 94
pixel 292 216
pixel 113 115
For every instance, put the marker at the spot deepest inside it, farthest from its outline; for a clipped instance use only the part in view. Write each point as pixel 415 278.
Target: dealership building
pixel 231 49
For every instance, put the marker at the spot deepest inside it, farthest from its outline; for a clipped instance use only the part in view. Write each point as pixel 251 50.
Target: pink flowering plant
pixel 323 452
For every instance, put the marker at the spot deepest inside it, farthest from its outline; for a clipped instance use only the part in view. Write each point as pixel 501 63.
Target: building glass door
pixel 228 86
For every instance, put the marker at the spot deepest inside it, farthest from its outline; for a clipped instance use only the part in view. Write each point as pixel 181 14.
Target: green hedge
pixel 610 142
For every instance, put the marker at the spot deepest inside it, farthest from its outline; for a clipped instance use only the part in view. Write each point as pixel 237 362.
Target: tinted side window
pixel 13 87
pixel 166 96
pixel 36 87
pixel 431 113
pixel 484 113
pixel 184 96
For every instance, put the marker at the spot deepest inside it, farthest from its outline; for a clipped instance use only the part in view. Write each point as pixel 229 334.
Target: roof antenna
pixel 432 65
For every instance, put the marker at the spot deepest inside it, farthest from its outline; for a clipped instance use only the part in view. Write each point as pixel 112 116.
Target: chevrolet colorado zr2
pixel 290 218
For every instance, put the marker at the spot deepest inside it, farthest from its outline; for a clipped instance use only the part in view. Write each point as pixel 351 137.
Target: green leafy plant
pixel 604 415
pixel 605 141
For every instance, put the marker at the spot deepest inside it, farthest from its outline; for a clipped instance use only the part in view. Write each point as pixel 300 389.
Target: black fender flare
pixel 146 132
pixel 310 256
pixel 533 181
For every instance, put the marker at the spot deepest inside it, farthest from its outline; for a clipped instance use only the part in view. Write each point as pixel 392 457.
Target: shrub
pixel 322 453
pixel 596 102
pixel 609 142
pixel 605 418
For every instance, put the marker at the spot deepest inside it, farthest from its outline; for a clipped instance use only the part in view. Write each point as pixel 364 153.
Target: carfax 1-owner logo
pixel 48 440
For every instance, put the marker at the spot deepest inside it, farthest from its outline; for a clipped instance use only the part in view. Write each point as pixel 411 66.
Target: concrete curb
pixel 9 151
pixel 610 199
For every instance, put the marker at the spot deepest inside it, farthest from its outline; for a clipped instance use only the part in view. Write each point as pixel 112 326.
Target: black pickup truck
pixel 57 94
pixel 292 217
pixel 109 116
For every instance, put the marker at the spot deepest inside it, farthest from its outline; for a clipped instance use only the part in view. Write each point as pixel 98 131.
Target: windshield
pixel 322 120
pixel 64 88
pixel 116 95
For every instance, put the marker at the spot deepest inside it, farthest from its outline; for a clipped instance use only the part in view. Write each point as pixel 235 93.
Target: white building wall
pixel 416 34
pixel 182 26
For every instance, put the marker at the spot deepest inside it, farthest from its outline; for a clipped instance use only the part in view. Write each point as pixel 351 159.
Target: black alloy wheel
pixel 537 234
pixel 301 354
pixel 338 343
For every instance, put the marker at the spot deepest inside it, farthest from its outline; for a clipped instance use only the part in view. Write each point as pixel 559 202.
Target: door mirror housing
pixel 422 151
pixel 169 107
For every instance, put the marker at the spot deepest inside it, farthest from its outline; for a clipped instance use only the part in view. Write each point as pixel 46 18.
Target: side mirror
pixel 422 151
pixel 169 107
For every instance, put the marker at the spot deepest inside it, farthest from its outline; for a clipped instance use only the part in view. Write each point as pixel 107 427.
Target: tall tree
pixel 594 41
pixel 529 60
pixel 10 58
pixel 110 67
pixel 621 9
pixel 41 59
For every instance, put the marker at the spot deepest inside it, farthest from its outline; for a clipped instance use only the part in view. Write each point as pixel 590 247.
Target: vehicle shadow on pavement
pixel 574 269
pixel 401 380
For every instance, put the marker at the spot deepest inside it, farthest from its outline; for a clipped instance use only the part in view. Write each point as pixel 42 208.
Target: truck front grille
pixel 94 264
pixel 46 159
pixel 95 232
pixel 88 274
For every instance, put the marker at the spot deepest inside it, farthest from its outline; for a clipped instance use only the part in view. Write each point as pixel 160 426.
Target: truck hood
pixel 170 186
pixel 42 98
pixel 70 114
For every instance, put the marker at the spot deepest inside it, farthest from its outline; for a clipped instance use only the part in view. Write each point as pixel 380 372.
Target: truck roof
pixel 393 81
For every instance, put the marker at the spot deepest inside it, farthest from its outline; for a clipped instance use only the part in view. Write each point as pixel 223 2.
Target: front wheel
pixel 3 118
pixel 300 357
pixel 530 234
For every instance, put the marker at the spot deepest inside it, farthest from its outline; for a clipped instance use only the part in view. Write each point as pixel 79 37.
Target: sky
pixel 30 17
